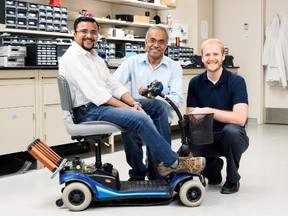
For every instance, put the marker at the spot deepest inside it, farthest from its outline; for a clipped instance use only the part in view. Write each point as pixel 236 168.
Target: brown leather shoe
pixel 191 164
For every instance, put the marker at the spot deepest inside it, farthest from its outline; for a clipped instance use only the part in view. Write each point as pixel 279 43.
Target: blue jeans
pixel 133 143
pixel 138 122
pixel 231 143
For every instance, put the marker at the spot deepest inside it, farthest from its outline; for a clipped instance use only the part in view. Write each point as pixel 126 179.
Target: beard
pixel 86 47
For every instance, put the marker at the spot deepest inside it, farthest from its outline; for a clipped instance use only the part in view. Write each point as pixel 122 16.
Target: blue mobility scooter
pixel 100 184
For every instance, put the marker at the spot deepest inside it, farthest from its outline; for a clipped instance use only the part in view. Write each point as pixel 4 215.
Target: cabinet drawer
pixel 17 129
pixel 17 93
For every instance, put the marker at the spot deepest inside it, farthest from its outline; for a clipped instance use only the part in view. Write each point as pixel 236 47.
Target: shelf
pixel 124 39
pixel 122 23
pixel 58 34
pixel 115 22
pixel 139 4
pixel 33 32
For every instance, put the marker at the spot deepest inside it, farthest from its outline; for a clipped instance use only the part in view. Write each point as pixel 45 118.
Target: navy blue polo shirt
pixel 228 91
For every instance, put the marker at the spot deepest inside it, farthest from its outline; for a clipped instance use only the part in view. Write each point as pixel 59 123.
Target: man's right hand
pixel 142 89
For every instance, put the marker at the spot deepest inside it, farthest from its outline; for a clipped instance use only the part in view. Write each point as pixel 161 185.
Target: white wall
pixel 192 12
pixel 245 46
pixel 178 16
pixel 228 26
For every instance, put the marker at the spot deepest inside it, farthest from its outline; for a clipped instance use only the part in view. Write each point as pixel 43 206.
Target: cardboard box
pixel 169 3
pixel 112 32
pixel 141 19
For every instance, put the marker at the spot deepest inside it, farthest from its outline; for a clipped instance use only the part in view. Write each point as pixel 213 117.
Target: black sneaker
pixel 229 188
pixel 218 179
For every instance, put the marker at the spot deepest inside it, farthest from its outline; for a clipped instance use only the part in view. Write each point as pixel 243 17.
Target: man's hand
pixel 142 89
pixel 138 107
pixel 197 110
pixel 237 116
pixel 197 114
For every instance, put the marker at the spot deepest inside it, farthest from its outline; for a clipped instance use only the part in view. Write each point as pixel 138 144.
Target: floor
pixel 263 191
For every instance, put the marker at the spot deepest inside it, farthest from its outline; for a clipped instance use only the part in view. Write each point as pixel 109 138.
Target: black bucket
pixel 200 129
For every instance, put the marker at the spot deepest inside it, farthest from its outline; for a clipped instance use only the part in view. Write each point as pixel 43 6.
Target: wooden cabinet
pixel 17 129
pixel 17 111
pixel 29 109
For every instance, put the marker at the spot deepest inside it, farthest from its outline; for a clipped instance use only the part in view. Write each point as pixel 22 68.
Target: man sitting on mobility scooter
pixel 99 184
pixel 98 96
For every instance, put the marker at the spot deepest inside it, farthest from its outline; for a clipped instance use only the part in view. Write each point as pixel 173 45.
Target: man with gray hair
pixel 140 70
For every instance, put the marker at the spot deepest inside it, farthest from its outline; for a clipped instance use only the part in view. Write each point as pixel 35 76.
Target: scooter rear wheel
pixel 192 193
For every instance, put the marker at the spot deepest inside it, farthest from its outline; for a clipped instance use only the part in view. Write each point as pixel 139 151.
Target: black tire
pixel 76 196
pixel 59 202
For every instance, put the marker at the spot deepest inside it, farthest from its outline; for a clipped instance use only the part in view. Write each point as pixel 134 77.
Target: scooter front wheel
pixel 59 202
pixel 192 193
pixel 76 196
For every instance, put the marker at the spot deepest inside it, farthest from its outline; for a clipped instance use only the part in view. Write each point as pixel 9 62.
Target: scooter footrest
pixel 144 185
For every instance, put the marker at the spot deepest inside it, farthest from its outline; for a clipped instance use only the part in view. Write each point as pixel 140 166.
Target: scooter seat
pixel 85 129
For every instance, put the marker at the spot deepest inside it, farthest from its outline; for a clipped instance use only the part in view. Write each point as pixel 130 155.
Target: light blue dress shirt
pixel 138 71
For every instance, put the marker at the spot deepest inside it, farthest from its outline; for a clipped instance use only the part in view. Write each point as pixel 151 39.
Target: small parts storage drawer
pixel 26 15
pixel 41 54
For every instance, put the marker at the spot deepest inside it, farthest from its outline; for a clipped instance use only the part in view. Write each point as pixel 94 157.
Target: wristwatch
pixel 137 103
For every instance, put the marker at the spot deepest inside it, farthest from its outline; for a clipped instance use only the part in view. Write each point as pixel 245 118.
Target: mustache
pixel 90 39
pixel 155 48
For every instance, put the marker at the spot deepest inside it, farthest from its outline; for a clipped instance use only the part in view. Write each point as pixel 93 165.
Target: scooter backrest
pixel 65 94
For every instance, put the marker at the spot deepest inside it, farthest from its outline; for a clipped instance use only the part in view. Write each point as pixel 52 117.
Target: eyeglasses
pixel 159 42
pixel 85 32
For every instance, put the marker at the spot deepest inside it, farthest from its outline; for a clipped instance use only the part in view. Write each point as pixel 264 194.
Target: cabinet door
pixel 17 114
pixel 17 129
pixel 54 130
